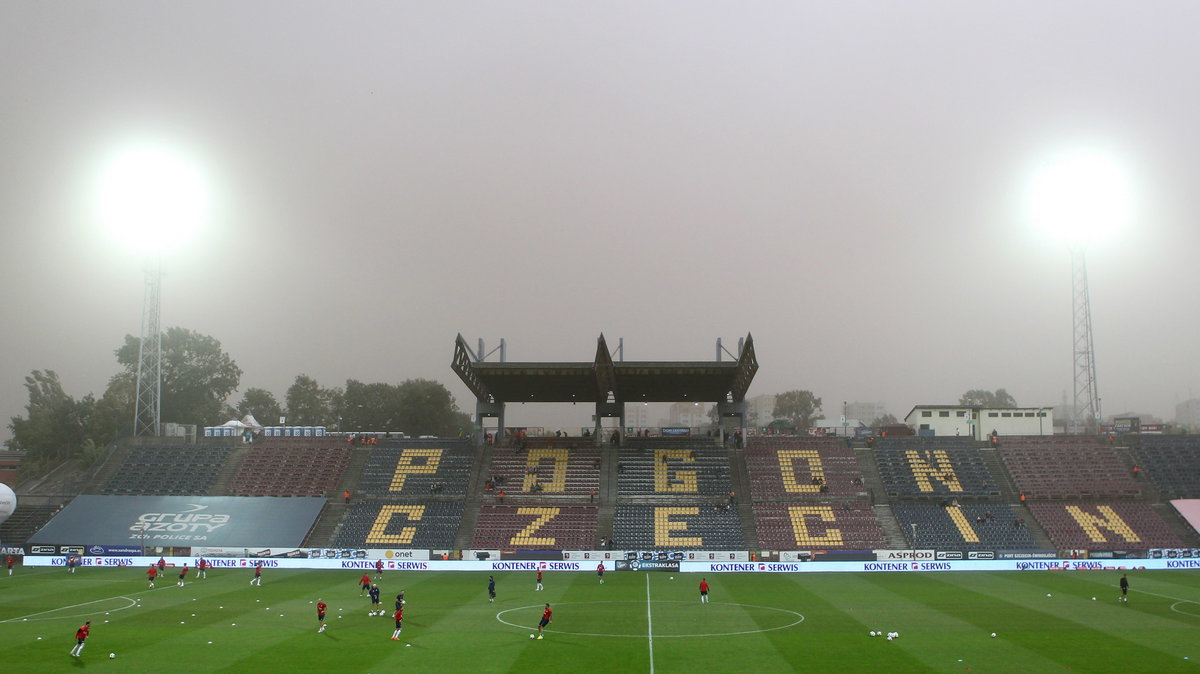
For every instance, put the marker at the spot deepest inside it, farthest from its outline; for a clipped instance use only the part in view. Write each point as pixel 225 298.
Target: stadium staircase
pixel 224 479
pixel 105 472
pixel 872 480
pixel 1004 483
pixel 892 532
pixel 354 470
pixel 740 477
pixel 323 530
pixel 1153 496
pixel 470 516
pixel 607 496
pixel 1177 524
pixel 873 483
pixel 1040 537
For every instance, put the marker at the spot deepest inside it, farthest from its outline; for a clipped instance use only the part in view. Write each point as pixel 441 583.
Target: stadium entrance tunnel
pixel 669 619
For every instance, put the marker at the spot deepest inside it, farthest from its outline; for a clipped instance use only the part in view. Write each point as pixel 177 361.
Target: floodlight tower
pixel 1085 417
pixel 147 406
pixel 1078 197
pixel 153 198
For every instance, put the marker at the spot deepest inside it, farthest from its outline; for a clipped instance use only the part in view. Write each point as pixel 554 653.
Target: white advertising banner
pixel 592 555
pixel 248 563
pixel 964 565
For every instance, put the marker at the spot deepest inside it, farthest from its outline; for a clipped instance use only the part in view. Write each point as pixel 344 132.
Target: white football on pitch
pixel 112 655
pixel 532 637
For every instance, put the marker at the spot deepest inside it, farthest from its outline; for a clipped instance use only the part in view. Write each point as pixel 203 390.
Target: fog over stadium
pixel 844 181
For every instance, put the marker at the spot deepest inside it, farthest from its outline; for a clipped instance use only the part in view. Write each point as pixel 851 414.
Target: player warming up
pixel 202 568
pixel 257 579
pixel 378 569
pixel 545 620
pixel 491 590
pixel 1124 589
pixel 70 563
pixel 321 614
pixel 600 572
pixel 182 575
pixel 539 580
pixel 703 591
pixel 8 561
pixel 375 605
pixel 400 600
pixel 81 636
pixel 364 584
pixel 151 574
pixel 399 616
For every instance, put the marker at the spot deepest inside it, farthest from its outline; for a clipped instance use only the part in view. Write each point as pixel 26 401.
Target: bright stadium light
pixel 152 198
pixel 1080 196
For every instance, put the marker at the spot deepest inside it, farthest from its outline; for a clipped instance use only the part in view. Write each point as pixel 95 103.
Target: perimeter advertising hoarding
pixel 248 563
pixel 647 565
pixel 167 521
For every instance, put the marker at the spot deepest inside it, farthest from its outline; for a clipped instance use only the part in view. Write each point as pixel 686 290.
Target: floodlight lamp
pixel 152 198
pixel 1080 196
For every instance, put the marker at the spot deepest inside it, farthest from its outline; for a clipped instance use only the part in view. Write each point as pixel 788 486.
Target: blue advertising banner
pixel 174 521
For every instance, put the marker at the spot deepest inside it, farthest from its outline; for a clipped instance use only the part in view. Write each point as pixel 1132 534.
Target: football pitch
pixel 1044 621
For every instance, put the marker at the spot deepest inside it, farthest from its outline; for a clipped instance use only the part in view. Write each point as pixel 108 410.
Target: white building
pixel 1187 413
pixel 865 412
pixel 979 422
pixel 691 415
pixel 760 410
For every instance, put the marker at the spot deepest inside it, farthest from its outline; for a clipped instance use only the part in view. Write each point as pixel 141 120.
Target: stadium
pixel 943 552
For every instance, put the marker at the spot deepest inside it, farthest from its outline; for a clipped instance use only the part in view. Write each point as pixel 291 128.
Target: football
pixel 112 655
pixel 532 637
pixel 872 632
pixel 993 635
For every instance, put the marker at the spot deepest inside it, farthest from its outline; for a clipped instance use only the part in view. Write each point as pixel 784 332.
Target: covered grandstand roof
pixel 602 380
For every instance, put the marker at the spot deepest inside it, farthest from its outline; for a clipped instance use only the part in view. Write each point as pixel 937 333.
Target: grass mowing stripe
pixel 649 624
pixel 942 618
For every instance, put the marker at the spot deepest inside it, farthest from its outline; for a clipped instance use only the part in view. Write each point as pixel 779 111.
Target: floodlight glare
pixel 1080 196
pixel 152 198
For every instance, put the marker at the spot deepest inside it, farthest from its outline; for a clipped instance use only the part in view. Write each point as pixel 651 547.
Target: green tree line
pixel 198 378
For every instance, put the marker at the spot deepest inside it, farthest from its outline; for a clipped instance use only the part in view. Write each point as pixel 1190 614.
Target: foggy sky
pixel 840 179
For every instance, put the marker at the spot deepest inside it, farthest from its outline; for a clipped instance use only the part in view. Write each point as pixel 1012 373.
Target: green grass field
pixel 635 622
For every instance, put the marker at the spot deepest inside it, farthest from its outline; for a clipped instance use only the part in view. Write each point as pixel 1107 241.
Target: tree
pixel 428 408
pixel 112 416
pixel 416 407
pixel 197 376
pixel 308 404
pixel 54 428
pixel 886 420
pixel 262 404
pixel 801 408
pixel 982 398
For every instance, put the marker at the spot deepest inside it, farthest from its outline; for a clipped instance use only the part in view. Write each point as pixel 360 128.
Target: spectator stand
pixel 1171 463
pixel 291 468
pixel 991 526
pixel 385 524
pixel 808 493
pixel 684 526
pixel 535 527
pixel 168 471
pixel 934 468
pixel 1072 467
pixel 1111 525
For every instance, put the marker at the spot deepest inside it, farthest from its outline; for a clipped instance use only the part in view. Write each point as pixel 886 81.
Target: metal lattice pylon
pixel 1085 417
pixel 147 407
